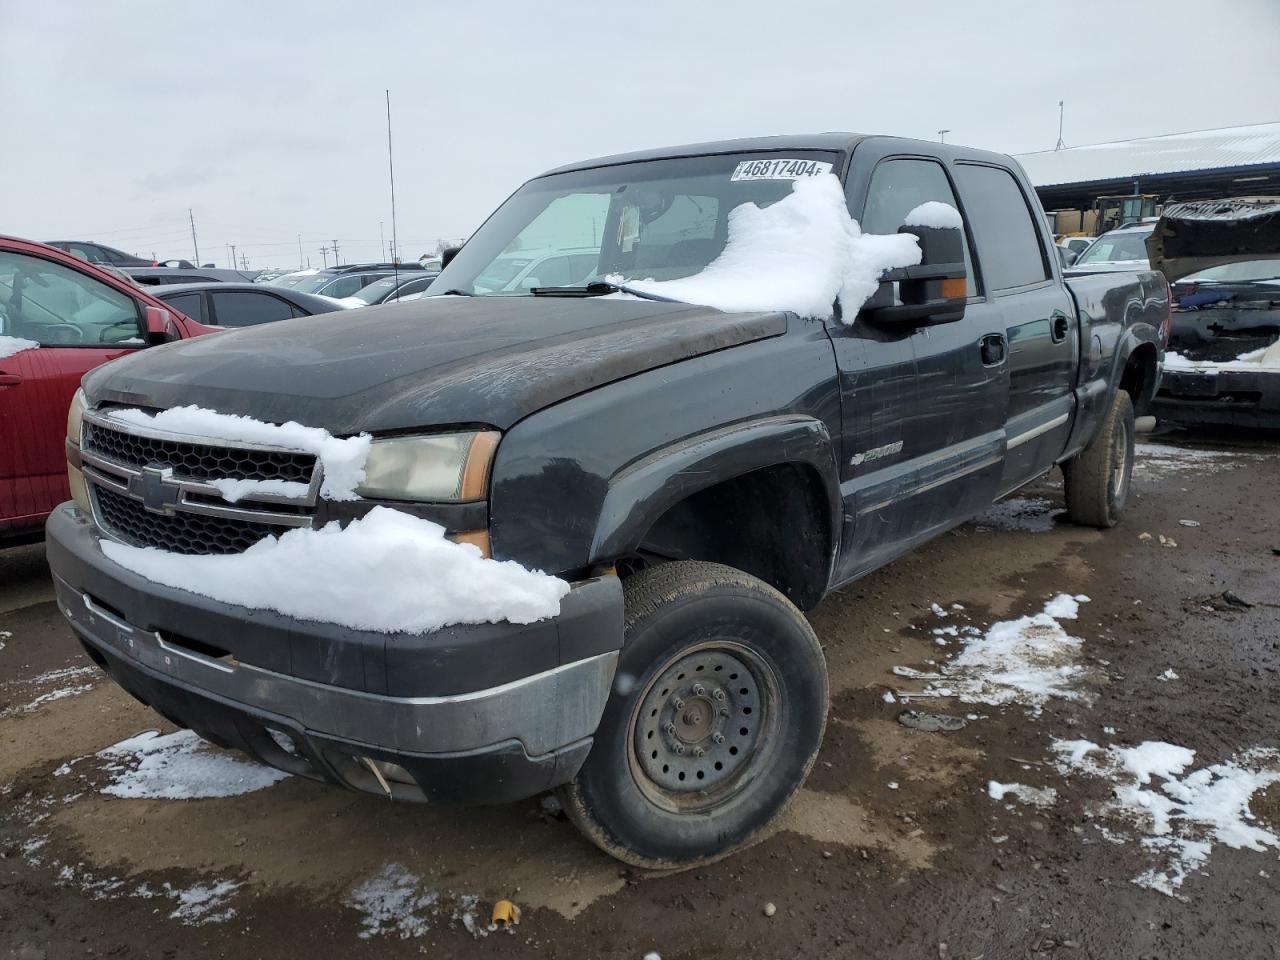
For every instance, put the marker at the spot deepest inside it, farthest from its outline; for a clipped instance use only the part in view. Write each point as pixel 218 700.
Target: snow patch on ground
pixel 1185 814
pixel 202 903
pixel 395 902
pixel 52 678
pixel 1028 514
pixel 1042 797
pixel 388 572
pixel 343 459
pixel 11 345
pixel 1159 459
pixel 180 766
pixel 1028 660
pixel 800 254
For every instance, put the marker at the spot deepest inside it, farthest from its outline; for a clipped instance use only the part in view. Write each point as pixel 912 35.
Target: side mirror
pixel 1071 255
pixel 160 326
pixel 934 291
pixel 447 255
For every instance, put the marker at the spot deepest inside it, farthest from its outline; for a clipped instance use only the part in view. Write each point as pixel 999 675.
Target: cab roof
pixel 840 142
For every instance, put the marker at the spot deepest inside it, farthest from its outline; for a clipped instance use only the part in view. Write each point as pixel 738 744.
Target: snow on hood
pixel 800 254
pixel 387 572
pixel 11 345
pixel 342 458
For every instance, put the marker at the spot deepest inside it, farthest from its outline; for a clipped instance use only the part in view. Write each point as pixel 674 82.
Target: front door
pixel 77 322
pixel 945 462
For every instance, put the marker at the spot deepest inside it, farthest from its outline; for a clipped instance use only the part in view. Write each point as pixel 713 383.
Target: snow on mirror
pixel 800 254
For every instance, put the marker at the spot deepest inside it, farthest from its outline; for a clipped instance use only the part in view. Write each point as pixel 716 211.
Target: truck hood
pixel 430 362
pixel 1198 234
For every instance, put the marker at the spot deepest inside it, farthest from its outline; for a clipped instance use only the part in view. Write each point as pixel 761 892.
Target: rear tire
pixel 1097 478
pixel 717 713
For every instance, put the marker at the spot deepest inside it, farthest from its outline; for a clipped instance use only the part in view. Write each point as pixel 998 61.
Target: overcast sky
pixel 268 119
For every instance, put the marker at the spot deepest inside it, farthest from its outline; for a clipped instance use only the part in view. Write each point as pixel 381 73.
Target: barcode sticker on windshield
pixel 784 169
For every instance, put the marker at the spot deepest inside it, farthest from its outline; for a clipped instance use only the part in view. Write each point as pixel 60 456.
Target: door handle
pixel 9 379
pixel 1059 326
pixel 992 349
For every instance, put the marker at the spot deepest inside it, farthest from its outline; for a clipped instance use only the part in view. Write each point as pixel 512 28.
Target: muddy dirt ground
pixel 894 848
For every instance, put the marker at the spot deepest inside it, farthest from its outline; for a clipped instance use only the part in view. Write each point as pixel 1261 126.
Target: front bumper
pixel 1241 398
pixel 425 717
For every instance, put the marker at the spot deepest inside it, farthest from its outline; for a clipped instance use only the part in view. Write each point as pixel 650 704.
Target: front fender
pixel 643 491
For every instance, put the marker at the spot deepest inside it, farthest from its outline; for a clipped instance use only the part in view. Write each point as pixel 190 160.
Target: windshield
pixel 292 279
pixel 1131 245
pixel 314 283
pixel 663 219
pixel 1246 272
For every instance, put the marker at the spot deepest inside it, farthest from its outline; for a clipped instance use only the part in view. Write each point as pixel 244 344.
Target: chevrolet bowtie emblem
pixel 156 489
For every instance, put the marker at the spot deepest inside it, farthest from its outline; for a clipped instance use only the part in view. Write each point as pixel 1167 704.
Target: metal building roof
pixel 1227 147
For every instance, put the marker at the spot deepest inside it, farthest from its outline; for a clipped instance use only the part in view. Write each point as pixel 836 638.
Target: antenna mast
pixel 1060 145
pixel 391 170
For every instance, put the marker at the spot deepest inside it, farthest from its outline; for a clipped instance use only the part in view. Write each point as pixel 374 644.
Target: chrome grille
pixel 191 533
pixel 196 461
pixel 153 488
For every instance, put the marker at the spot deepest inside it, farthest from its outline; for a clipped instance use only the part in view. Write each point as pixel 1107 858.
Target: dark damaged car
pixel 1223 260
pixel 697 475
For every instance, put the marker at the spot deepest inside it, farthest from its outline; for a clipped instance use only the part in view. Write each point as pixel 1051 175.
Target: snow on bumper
pixel 484 712
pixel 1229 397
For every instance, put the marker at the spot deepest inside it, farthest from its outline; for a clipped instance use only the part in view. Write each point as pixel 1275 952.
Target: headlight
pixel 451 466
pixel 75 417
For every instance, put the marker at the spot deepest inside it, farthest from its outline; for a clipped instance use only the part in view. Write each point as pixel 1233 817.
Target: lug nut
pixel 699 752
pixel 719 694
pixel 670 729
pixel 718 737
pixel 724 711
pixel 677 703
pixel 699 690
pixel 679 748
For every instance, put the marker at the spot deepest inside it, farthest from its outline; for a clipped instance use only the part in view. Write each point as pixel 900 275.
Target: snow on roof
pixel 1174 153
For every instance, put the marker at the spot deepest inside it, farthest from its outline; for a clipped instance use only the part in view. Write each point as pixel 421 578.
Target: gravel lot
pixel 896 847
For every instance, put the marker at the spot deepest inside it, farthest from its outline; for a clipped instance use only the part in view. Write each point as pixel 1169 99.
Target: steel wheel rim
pixel 1120 461
pixel 710 772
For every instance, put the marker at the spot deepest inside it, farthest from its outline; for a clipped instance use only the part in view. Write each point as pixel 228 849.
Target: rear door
pixel 1038 314
pixel 246 308
pixel 79 322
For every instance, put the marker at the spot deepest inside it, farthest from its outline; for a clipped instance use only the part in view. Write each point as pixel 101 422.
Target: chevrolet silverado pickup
pixel 699 476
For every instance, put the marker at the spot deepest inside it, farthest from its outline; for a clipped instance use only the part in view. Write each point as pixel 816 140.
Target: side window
pixel 1012 255
pixel 61 307
pixel 551 272
pixel 897 188
pixel 192 304
pixel 344 286
pixel 242 308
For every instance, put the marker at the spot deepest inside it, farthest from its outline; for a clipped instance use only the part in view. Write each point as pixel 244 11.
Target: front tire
pixel 717 713
pixel 1097 478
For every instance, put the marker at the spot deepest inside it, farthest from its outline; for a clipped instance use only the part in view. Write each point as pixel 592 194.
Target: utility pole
pixel 233 256
pixel 244 259
pixel 230 259
pixel 191 216
pixel 299 251
pixel 324 252
pixel 942 135
pixel 1060 145
pixel 334 248
pixel 382 243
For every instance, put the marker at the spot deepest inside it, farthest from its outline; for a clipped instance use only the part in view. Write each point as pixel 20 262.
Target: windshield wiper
pixel 598 288
pixel 454 293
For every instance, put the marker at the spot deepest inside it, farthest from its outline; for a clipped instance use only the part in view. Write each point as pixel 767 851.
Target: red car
pixel 59 318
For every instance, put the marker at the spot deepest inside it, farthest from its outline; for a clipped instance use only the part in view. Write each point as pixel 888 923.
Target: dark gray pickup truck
pixel 699 476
